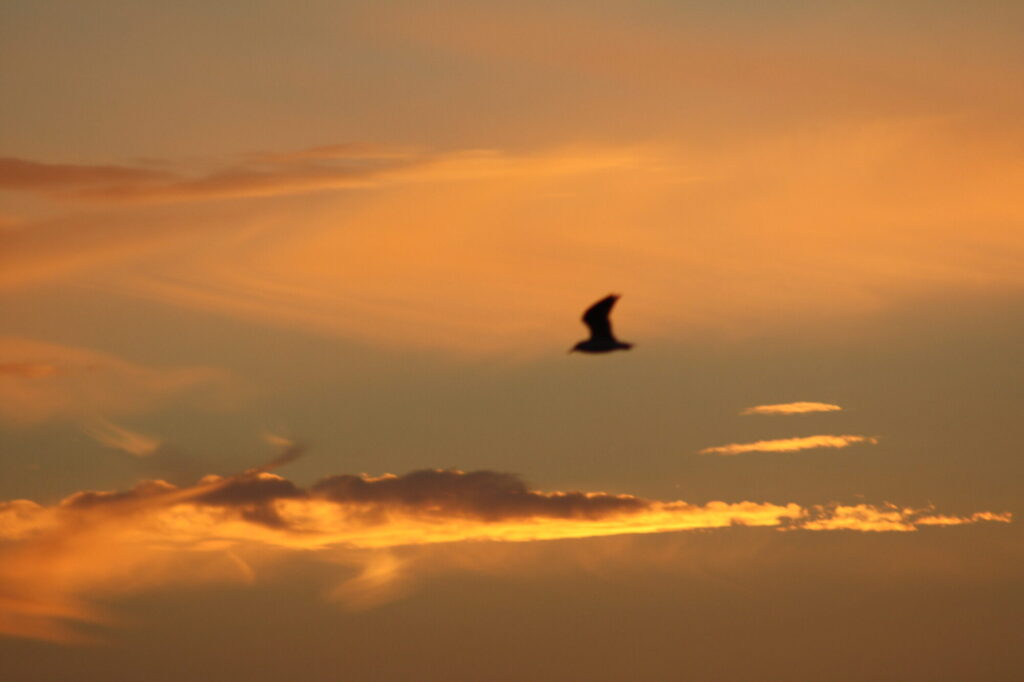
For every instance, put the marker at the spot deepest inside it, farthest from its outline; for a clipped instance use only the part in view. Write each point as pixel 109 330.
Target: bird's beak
pixel 571 350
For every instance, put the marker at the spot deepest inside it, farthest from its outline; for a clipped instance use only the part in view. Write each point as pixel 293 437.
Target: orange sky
pixel 372 228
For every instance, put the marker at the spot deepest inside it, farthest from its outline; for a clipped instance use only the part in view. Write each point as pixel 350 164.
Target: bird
pixel 601 338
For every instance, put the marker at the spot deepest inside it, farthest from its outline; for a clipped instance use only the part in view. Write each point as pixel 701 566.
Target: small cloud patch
pixel 789 444
pixel 792 408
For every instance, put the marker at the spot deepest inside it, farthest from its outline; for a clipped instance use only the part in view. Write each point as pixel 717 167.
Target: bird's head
pixel 578 346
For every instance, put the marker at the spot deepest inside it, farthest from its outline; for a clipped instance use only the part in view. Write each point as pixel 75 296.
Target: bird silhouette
pixel 601 338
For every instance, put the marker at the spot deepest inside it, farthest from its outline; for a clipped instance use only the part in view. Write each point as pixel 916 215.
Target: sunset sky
pixel 286 295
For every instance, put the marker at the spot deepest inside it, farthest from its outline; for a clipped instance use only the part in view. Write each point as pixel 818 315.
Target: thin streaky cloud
pixel 330 167
pixel 943 520
pixel 327 268
pixel 28 370
pixel 792 408
pixel 276 439
pixel 43 380
pixel 351 150
pixel 789 444
pixel 157 534
pixel 28 175
pixel 117 437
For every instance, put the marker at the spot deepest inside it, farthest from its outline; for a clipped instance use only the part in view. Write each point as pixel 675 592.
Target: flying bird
pixel 601 338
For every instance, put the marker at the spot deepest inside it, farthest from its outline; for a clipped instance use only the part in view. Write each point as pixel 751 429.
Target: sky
pixel 287 292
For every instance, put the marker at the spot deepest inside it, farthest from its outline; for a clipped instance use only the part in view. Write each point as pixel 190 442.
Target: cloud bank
pixel 789 444
pixel 55 560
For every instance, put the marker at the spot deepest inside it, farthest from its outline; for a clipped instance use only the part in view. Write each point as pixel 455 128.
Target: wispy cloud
pixel 28 370
pixel 888 517
pixel 37 176
pixel 329 167
pixel 120 438
pixel 327 266
pixel 789 444
pixel 942 520
pixel 792 408
pixel 259 175
pixel 54 560
pixel 42 380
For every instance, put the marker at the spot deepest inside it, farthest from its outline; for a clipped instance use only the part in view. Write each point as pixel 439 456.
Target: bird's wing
pixel 596 317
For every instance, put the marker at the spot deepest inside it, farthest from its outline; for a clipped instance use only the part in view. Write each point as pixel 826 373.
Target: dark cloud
pixel 476 497
pixel 480 495
pixel 487 495
pixel 172 464
pixel 253 496
pixel 252 493
pixel 290 452
pixel 249 490
pixel 142 491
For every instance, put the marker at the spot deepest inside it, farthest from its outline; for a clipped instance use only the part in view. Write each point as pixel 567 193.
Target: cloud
pixel 41 380
pixel 55 561
pixel 792 408
pixel 537 230
pixel 290 450
pixel 788 444
pixel 942 520
pixel 261 175
pixel 346 150
pixel 888 517
pixel 485 495
pixel 535 244
pixel 28 370
pixel 26 175
pixel 329 167
pixel 120 438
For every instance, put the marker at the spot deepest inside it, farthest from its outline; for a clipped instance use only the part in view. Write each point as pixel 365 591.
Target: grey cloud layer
pixel 486 495
pixel 480 495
